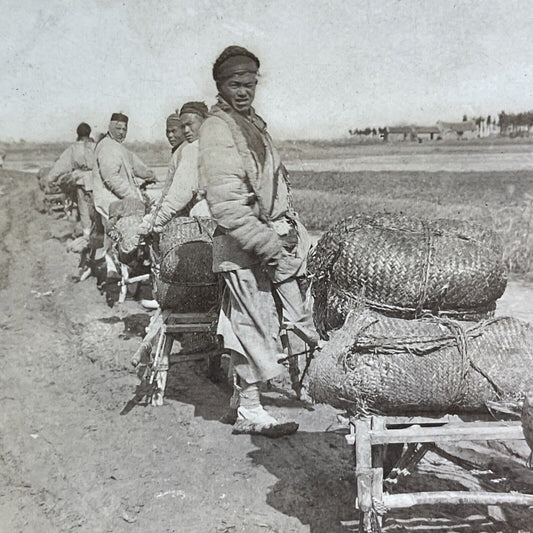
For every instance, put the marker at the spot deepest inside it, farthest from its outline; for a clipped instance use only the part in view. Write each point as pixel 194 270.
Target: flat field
pixel 500 200
pixel 77 456
pixel 489 181
pixel 491 184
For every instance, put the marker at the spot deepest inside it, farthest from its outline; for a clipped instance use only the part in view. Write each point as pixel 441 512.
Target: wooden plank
pixel 445 419
pixel 188 318
pixel 184 357
pixel 403 420
pixel 449 432
pixel 188 328
pixel 403 501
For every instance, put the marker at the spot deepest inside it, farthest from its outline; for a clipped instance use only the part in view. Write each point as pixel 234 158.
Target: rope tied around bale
pixel 461 342
pixel 379 507
pixel 373 355
pixel 359 300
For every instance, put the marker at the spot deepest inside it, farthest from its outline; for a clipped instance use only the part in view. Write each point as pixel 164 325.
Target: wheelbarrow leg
pixel 162 369
pixel 363 472
pixel 378 454
pixel 123 283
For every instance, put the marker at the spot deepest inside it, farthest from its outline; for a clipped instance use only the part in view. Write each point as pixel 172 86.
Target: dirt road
pixel 71 460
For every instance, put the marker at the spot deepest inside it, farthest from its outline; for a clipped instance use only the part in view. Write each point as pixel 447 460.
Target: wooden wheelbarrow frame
pixel 58 202
pixel 156 348
pixel 370 436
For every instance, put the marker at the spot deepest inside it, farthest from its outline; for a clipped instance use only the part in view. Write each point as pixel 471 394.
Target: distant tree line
pixel 515 121
pixel 368 131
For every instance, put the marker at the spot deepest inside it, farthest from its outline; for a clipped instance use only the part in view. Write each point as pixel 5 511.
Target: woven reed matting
pixel 332 305
pixel 405 266
pixel 125 217
pixel 388 365
pixel 185 281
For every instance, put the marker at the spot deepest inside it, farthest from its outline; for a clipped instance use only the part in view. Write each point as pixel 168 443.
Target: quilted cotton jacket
pixel 250 202
pixel 115 174
pixel 79 157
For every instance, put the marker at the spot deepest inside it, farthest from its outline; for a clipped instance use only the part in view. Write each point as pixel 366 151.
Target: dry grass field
pixel 489 181
pixel 501 200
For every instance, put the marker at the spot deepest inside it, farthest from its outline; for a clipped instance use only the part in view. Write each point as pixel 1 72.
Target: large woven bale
pixel 404 267
pixel 125 217
pixel 394 366
pixel 184 278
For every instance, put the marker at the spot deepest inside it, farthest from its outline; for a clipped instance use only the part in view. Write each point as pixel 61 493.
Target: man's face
pixel 190 123
pixel 174 135
pixel 118 130
pixel 239 91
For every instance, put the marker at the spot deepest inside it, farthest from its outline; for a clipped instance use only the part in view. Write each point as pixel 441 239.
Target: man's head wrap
pixel 198 108
pixel 119 117
pixel 83 130
pixel 234 60
pixel 173 120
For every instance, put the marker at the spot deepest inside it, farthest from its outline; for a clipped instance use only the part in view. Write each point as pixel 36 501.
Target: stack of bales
pixel 408 306
pixel 184 278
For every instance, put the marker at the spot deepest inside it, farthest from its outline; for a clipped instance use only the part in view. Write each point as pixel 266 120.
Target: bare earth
pixel 70 461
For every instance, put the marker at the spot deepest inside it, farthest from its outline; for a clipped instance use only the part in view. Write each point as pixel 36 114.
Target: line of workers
pixel 223 165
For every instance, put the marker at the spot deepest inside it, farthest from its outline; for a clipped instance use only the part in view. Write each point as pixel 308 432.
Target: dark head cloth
pixel 173 120
pixel 83 130
pixel 234 60
pixel 119 117
pixel 199 108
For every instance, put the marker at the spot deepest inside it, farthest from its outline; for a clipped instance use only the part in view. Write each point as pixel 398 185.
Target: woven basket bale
pixel 405 267
pixel 184 279
pixel 125 217
pixel 378 364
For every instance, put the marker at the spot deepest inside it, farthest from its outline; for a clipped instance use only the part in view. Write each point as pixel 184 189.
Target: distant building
pixel 400 133
pixel 427 133
pixel 457 130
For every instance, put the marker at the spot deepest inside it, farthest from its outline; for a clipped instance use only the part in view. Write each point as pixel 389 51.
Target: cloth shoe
pixel 255 415
pixel 150 304
pixel 256 421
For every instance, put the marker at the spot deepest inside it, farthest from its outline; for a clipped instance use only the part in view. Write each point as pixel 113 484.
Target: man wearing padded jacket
pixel 260 247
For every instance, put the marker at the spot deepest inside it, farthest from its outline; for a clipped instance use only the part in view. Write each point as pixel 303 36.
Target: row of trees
pixel 515 121
pixel 368 131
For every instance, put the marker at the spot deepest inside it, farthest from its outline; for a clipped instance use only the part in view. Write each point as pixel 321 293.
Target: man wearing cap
pixel 117 174
pixel 73 169
pixel 184 195
pixel 259 247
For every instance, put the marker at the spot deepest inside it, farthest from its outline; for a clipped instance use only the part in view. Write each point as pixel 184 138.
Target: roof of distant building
pixel 458 127
pixel 427 129
pixel 400 129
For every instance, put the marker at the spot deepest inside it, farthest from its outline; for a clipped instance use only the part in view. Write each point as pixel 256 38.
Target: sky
pixel 326 65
